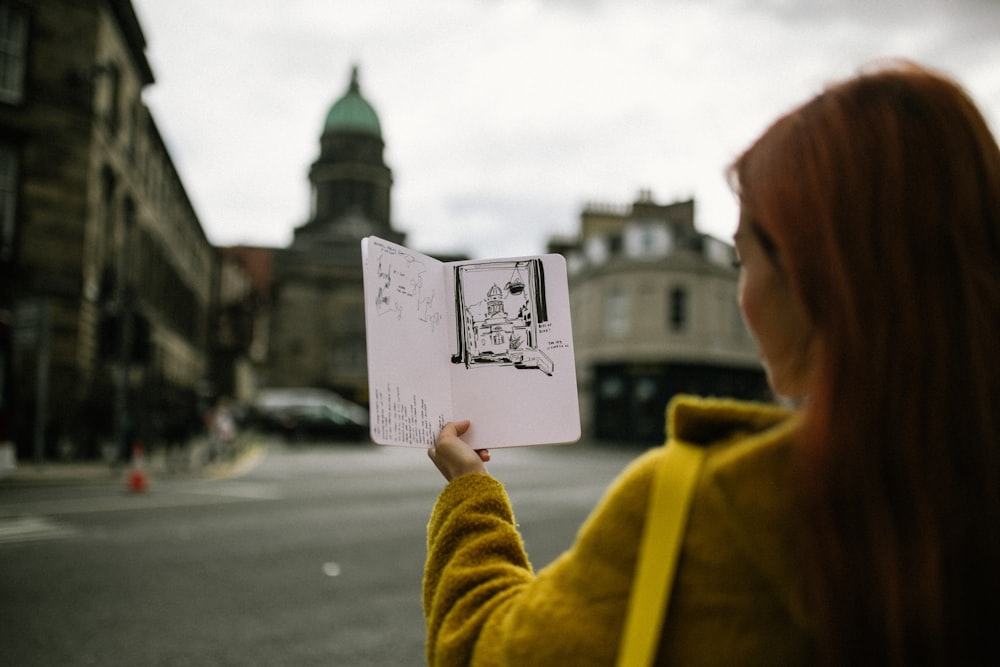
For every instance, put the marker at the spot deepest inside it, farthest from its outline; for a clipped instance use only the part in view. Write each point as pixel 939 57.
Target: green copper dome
pixel 352 113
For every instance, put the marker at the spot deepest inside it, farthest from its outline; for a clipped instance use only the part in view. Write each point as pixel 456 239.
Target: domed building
pixel 317 316
pixel 351 184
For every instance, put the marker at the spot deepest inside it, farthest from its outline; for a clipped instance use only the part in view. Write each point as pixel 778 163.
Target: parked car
pixel 310 413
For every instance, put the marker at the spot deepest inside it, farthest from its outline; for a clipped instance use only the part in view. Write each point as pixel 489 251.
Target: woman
pixel 861 529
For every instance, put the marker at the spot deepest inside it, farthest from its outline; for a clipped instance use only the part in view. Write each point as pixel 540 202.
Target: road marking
pixel 179 497
pixel 32 528
pixel 246 490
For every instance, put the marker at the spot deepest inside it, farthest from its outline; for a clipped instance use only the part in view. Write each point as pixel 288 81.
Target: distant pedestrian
pixel 222 430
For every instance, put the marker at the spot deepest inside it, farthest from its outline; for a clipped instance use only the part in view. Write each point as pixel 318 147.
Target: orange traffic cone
pixel 138 481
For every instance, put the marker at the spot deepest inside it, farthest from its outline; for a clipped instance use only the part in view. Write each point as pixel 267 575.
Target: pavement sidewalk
pixel 191 460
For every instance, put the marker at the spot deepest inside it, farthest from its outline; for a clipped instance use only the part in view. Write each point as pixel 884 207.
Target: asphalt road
pixel 312 557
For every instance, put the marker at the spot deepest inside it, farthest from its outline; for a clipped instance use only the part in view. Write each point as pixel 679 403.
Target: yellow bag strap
pixel 662 535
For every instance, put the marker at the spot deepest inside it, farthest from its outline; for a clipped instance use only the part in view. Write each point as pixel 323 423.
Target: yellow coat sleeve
pixel 484 605
pixel 735 599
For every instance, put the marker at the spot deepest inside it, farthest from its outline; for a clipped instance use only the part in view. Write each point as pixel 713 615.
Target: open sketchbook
pixel 488 340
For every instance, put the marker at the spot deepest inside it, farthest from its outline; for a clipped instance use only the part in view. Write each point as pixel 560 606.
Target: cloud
pixel 501 119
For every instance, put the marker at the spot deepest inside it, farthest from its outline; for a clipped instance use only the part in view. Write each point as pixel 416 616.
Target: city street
pixel 311 557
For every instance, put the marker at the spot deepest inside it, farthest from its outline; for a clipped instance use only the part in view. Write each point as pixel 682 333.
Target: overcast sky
pixel 503 118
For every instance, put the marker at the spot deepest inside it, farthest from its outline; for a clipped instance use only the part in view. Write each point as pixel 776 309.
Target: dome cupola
pixel 353 113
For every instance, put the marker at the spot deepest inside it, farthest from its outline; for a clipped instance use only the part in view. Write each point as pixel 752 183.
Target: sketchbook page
pixel 513 373
pixel 409 389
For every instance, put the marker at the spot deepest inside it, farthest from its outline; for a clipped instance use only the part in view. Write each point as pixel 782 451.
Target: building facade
pixel 108 280
pixel 242 325
pixel 654 305
pixel 317 333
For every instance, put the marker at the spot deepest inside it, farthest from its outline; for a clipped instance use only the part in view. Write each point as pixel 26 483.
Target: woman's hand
pixel 453 456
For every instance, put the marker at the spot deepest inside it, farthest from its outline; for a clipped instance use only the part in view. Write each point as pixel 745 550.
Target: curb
pixel 99 472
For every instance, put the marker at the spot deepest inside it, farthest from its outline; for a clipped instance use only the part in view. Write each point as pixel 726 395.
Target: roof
pixel 353 113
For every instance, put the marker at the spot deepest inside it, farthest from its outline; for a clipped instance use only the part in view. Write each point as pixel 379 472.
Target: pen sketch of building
pixel 499 306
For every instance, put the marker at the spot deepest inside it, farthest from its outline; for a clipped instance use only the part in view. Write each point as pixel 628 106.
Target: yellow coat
pixel 735 599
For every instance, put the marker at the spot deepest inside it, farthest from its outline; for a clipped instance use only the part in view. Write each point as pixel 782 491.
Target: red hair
pixel 882 198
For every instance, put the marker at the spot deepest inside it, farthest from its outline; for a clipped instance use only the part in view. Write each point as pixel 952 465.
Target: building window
pixel 615 244
pixel 13 47
pixel 616 313
pixel 677 309
pixel 114 111
pixel 739 325
pixel 611 387
pixel 596 250
pixel 8 195
pixel 647 239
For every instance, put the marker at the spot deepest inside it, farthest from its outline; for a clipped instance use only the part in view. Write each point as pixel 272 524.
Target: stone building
pixel 242 324
pixel 108 280
pixel 654 314
pixel 317 309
